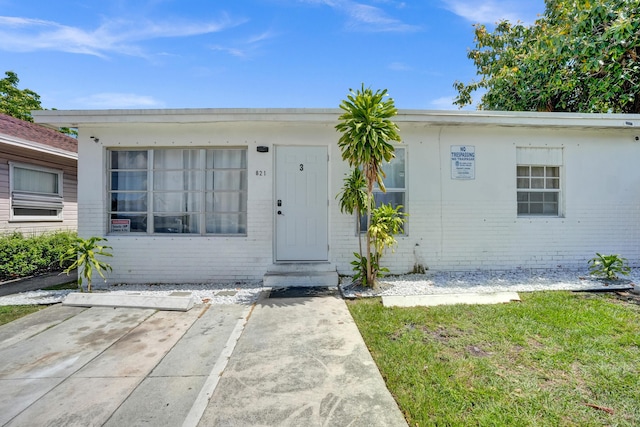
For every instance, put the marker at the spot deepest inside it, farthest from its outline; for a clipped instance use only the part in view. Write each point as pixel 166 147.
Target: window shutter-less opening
pixel 36 193
pixel 538 181
pixel 179 190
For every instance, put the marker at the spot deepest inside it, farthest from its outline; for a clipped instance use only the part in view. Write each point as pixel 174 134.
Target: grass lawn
pixel 554 359
pixel 9 313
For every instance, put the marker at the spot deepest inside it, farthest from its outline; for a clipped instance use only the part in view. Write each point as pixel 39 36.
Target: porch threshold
pixel 286 279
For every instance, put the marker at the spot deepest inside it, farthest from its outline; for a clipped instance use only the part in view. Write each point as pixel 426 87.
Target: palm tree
pixel 366 142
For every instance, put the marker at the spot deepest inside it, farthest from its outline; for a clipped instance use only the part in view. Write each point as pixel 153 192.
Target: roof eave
pixel 31 145
pixel 78 118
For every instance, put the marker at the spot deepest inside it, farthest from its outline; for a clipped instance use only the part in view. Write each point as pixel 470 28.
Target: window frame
pixel 540 190
pixel 360 225
pixel 201 170
pixel 32 198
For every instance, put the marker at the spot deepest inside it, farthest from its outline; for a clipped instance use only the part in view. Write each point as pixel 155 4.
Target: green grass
pixel 9 313
pixel 540 362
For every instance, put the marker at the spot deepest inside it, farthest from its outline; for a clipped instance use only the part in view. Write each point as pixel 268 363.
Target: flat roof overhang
pixel 78 118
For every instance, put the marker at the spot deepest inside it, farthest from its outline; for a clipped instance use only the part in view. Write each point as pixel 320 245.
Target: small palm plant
pixel 386 222
pixel 608 266
pixel 84 253
pixel 353 198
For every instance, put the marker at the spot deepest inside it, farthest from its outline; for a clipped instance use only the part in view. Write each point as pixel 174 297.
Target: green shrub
pixel 608 266
pixel 22 256
pixel 83 255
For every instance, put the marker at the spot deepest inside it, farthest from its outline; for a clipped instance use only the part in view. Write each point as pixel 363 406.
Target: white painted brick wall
pixel 453 224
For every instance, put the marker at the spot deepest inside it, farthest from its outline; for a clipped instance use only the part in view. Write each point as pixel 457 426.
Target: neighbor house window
pixel 36 193
pixel 394 182
pixel 184 191
pixel 538 181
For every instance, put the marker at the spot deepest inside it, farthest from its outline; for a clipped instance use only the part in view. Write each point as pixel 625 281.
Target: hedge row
pixel 22 256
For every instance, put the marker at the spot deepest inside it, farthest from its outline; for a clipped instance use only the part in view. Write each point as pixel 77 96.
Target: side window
pixel 538 190
pixel 538 182
pixel 36 193
pixel 394 182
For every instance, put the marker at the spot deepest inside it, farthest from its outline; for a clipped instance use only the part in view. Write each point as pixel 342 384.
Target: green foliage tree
pixel 579 56
pixel 84 255
pixel 366 142
pixel 19 103
pixel 16 102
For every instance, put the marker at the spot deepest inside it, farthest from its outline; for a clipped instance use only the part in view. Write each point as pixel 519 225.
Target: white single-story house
pixel 38 178
pixel 202 195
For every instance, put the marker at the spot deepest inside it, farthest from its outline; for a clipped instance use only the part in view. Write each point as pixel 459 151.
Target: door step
pixel 301 274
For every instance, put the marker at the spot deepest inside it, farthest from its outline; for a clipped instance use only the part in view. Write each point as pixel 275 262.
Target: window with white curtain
pixel 394 183
pixel 36 193
pixel 184 191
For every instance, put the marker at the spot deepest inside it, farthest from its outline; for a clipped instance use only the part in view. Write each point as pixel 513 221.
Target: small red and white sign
pixel 120 225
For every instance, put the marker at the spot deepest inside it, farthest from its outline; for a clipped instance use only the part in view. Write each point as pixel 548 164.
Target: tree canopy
pixel 579 56
pixel 16 102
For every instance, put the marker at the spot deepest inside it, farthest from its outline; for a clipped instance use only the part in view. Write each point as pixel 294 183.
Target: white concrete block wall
pixel 468 225
pixel 181 258
pixel 453 224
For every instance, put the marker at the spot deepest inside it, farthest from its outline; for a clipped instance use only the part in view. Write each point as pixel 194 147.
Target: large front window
pixel 186 191
pixel 36 193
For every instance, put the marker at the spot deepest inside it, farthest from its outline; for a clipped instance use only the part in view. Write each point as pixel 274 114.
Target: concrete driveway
pixel 298 361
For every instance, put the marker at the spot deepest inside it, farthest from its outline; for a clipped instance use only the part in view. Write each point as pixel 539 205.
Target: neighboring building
pixel 200 195
pixel 38 178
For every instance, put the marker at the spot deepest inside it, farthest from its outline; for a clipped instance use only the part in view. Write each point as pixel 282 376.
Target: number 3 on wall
pixel 301 167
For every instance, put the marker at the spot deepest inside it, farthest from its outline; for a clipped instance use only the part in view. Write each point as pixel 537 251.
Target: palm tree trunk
pixel 359 216
pixel 370 278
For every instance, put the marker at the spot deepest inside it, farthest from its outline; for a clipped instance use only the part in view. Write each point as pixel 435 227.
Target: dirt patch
pixel 477 351
pixel 627 296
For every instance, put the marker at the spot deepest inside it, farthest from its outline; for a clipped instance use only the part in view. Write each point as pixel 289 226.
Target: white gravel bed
pixel 229 293
pixel 521 280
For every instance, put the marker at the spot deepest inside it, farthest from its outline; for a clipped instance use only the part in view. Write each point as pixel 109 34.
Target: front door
pixel 301 204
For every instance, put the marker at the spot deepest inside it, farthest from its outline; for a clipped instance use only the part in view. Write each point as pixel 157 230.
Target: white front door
pixel 301 204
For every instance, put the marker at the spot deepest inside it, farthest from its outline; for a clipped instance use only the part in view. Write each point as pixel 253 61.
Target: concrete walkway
pixel 283 362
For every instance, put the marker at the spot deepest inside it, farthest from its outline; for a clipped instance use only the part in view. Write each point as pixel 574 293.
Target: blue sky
pixel 101 54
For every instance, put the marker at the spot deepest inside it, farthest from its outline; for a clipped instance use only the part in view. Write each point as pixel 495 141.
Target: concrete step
pixel 283 279
pixel 290 267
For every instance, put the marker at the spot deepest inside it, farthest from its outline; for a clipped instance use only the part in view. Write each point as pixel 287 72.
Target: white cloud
pixel 363 17
pixel 245 48
pixel 118 100
pixel 443 103
pixel 492 11
pixel 399 66
pixel 112 36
